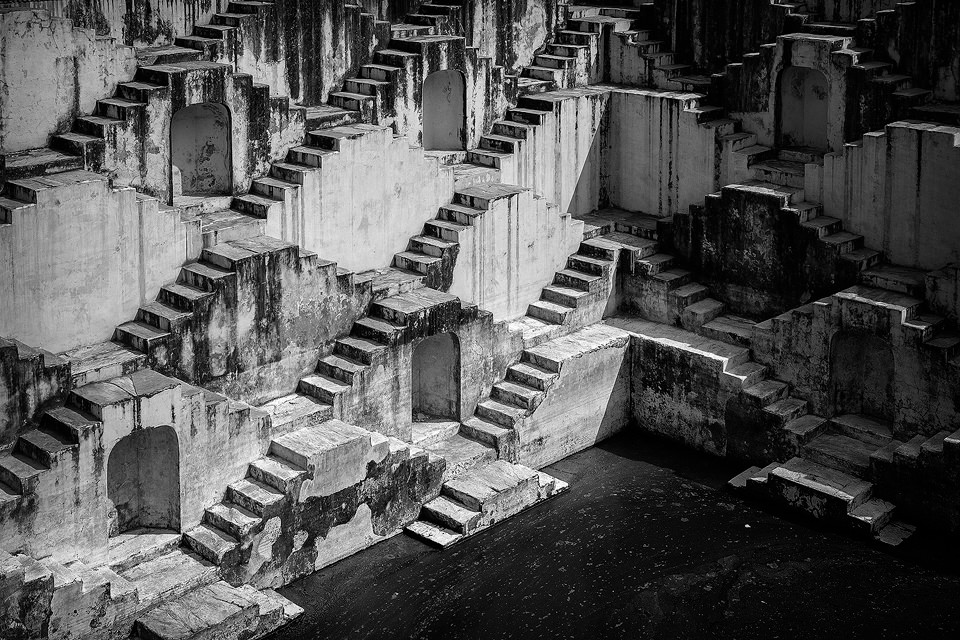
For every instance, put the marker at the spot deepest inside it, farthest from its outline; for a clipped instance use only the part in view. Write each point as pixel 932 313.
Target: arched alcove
pixel 444 111
pixel 435 384
pixel 143 480
pixel 862 375
pixel 803 103
pixel 200 151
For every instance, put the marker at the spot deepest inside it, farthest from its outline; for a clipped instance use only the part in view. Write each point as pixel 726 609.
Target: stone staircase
pixel 878 94
pixel 480 498
pixel 831 474
pixel 60 431
pixel 632 36
pixel 275 481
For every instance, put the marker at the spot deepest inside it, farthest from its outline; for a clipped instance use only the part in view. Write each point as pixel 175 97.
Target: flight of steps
pixel 480 498
pixel 58 432
pixel 831 477
pixel 274 481
pixel 635 26
pixel 402 309
pixel 782 171
pixel 878 93
pixel 198 286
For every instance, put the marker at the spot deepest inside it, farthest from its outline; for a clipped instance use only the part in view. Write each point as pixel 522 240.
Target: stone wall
pixel 52 73
pixel 511 252
pixel 29 380
pixel 895 187
pixel 84 257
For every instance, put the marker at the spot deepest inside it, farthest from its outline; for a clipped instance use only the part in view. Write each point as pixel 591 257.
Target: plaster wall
pixel 799 349
pixel 661 159
pixel 895 187
pixel 52 73
pixel 365 203
pixel 511 252
pixel 589 401
pixel 83 257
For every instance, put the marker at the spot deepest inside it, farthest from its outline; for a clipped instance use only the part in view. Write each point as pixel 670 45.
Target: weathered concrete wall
pixel 217 439
pixel 52 73
pixel 511 252
pixel 662 159
pixel 563 158
pixel 29 379
pixel 896 188
pixel 363 205
pixel 589 401
pixel 83 257
pixel 141 23
pixel 265 325
pixel 679 388
pixel 361 497
pixel 26 591
pixel 800 347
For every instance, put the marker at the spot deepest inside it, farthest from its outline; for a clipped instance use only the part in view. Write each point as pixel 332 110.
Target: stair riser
pixel 352 352
pixel 519 377
pixel 575 282
pixel 567 300
pixel 505 421
pixel 238 531
pixel 253 505
pixel 323 395
pixel 508 397
pixel 586 266
pixel 335 372
pixel 549 315
pixel 510 130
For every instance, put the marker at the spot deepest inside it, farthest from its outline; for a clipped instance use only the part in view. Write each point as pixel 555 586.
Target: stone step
pixel 821 491
pixel 699 313
pixel 433 534
pixel 549 311
pixel 170 576
pixel 841 453
pixel 217 611
pixel 498 490
pixel 211 543
pixel 462 454
pixel 505 415
pixel 564 296
pixel 44 446
pixel 868 430
pixel 277 472
pixel 579 280
pixel 140 335
pixel 377 329
pixel 766 392
pixel 20 472
pixel 872 516
pixel 340 368
pixel 256 497
pixel 787 410
pixel 359 349
pixel 232 518
pixel 515 394
pixel 297 410
pixel 451 515
pixel 502 439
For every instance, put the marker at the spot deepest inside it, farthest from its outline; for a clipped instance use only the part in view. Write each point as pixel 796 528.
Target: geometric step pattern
pixel 481 498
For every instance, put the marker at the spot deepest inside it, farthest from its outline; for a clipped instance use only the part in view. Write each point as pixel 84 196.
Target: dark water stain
pixel 647 544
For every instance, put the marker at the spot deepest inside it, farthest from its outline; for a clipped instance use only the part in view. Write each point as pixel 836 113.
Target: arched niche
pixel 862 375
pixel 803 108
pixel 143 481
pixel 444 111
pixel 435 383
pixel 200 151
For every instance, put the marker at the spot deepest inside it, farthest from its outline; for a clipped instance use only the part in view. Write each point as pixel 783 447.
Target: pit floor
pixel 647 543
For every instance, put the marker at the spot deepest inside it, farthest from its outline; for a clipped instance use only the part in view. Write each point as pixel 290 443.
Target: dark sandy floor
pixel 646 544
